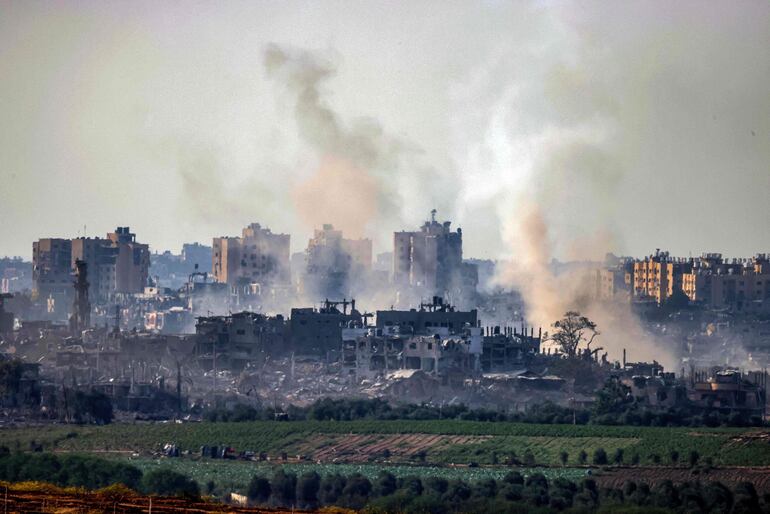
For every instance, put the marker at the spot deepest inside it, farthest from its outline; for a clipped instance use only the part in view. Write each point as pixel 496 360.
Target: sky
pixel 630 125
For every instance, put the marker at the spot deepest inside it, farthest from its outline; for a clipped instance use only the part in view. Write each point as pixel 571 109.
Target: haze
pixel 631 126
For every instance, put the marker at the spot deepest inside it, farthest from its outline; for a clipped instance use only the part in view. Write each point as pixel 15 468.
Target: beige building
pixel 257 257
pixel 116 264
pixel 658 276
pixel 736 284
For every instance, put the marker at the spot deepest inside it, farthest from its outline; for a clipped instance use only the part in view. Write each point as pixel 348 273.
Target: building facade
pixel 257 257
pixel 430 259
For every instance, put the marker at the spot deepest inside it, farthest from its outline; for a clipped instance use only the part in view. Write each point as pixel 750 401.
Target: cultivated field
pixel 440 442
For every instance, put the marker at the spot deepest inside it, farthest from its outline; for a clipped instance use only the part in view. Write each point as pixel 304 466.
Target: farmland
pixel 437 442
pixel 235 475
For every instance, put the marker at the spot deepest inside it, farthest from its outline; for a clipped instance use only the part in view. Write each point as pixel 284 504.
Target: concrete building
pixel 197 254
pixel 333 263
pixel 257 257
pixel 319 331
pixel 51 272
pixel 428 318
pixel 235 341
pixel 658 276
pixel 738 284
pixel 117 264
pixel 430 259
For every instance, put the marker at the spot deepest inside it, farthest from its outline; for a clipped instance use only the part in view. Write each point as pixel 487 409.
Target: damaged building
pixel 334 264
pixel 319 331
pixel 238 340
pixel 430 261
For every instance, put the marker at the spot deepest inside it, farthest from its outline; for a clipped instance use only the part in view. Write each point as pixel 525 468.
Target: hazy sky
pixel 632 125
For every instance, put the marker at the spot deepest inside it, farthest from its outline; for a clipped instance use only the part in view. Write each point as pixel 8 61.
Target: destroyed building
pixel 368 352
pixel 233 342
pixel 319 331
pixel 430 260
pixel 427 318
pixel 51 268
pixel 333 264
pixel 506 348
pixel 729 391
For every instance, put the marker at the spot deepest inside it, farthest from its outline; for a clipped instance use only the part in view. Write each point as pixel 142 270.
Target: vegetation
pixel 513 493
pixel 725 446
pixel 614 406
pixel 573 330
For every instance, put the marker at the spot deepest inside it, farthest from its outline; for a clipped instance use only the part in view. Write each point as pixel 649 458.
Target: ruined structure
pixel 427 318
pixel 333 263
pixel 431 260
pixel 319 331
pixel 51 268
pixel 233 342
pixel 80 319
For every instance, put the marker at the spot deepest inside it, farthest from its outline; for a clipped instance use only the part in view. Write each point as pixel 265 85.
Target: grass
pixel 544 441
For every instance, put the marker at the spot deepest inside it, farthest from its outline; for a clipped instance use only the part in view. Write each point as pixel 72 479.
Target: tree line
pixel 513 493
pixel 390 494
pixel 91 473
pixel 613 407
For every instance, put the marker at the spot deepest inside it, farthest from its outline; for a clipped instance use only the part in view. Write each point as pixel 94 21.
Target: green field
pixel 235 475
pixel 725 446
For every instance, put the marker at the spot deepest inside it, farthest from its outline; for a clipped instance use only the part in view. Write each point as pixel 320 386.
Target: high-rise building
pixel 51 268
pixel 116 264
pixel 430 259
pixel 331 262
pixel 257 257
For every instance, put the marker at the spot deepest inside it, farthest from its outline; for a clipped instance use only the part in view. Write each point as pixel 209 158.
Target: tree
pixel 617 458
pixel 165 482
pixel 259 489
pixel 307 490
pixel 283 488
pixel 563 457
pixel 582 457
pixel 571 331
pixel 694 458
pixel 600 456
pixel 385 484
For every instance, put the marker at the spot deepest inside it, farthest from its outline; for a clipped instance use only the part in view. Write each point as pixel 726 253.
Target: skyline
pixel 630 128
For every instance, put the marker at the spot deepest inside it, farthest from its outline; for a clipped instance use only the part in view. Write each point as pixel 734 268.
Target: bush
pixel 165 482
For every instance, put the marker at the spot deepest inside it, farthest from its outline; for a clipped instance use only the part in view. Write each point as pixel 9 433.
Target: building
pixel 430 259
pixel 257 257
pixel 235 341
pixel 51 270
pixel 428 319
pixel 196 256
pixel 333 262
pixel 116 264
pixel 737 284
pixel 657 277
pixel 368 352
pixel 319 331
pixel 615 282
